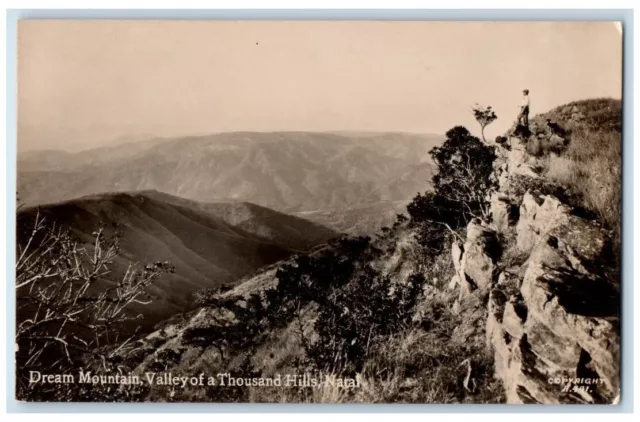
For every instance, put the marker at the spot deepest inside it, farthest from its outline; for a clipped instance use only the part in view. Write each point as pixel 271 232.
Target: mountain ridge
pixel 286 171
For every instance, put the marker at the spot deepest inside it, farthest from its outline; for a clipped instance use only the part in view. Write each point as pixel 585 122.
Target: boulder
pixel 519 161
pixel 514 316
pixel 478 262
pixel 456 255
pixel 537 216
pixel 542 215
pixel 453 283
pixel 504 212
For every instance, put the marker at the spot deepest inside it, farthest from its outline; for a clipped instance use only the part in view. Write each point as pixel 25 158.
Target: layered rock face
pixel 475 262
pixel 552 307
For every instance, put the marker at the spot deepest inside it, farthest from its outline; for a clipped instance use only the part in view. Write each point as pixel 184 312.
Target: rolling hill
pixel 210 244
pixel 286 171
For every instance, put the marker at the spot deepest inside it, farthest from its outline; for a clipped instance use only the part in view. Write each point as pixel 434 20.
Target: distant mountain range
pixel 285 171
pixel 220 207
pixel 210 244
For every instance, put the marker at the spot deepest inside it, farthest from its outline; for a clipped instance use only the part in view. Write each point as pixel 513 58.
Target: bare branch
pixel 69 307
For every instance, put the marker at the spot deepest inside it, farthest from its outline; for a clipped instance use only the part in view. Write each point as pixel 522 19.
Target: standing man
pixel 523 117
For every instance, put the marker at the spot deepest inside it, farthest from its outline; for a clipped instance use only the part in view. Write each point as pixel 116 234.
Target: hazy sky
pixel 84 83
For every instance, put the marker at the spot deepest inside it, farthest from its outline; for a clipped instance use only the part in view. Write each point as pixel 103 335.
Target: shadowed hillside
pixel 209 244
pixel 291 232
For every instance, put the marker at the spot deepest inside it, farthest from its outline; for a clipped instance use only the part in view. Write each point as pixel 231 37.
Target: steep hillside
pixel 287 171
pixel 291 232
pixel 375 312
pixel 421 360
pixel 209 244
pixel 510 296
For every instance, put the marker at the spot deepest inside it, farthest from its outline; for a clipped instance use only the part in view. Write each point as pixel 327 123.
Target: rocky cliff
pixel 521 305
pixel 552 296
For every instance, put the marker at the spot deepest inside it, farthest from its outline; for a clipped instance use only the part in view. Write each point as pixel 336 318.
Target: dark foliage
pixel 73 306
pixel 368 309
pixel 356 307
pixel 239 324
pixel 463 179
pixel 461 187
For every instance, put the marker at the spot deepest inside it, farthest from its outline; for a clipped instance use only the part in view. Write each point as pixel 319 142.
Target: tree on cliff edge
pixel 485 116
pixel 462 183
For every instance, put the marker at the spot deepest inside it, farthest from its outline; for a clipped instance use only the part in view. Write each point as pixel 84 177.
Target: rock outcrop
pixel 552 313
pixel 475 262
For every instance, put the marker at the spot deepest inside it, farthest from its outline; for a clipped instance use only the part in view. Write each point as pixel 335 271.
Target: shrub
pixel 237 323
pixel 463 179
pixel 369 309
pixel 462 186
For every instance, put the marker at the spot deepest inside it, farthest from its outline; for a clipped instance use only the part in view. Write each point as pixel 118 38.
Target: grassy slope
pixel 590 167
pixel 423 363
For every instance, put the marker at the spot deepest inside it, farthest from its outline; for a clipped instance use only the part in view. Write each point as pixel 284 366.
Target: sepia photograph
pixel 250 211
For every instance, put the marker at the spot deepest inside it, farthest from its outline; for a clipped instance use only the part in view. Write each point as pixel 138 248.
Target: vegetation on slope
pixel 589 163
pixel 374 310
